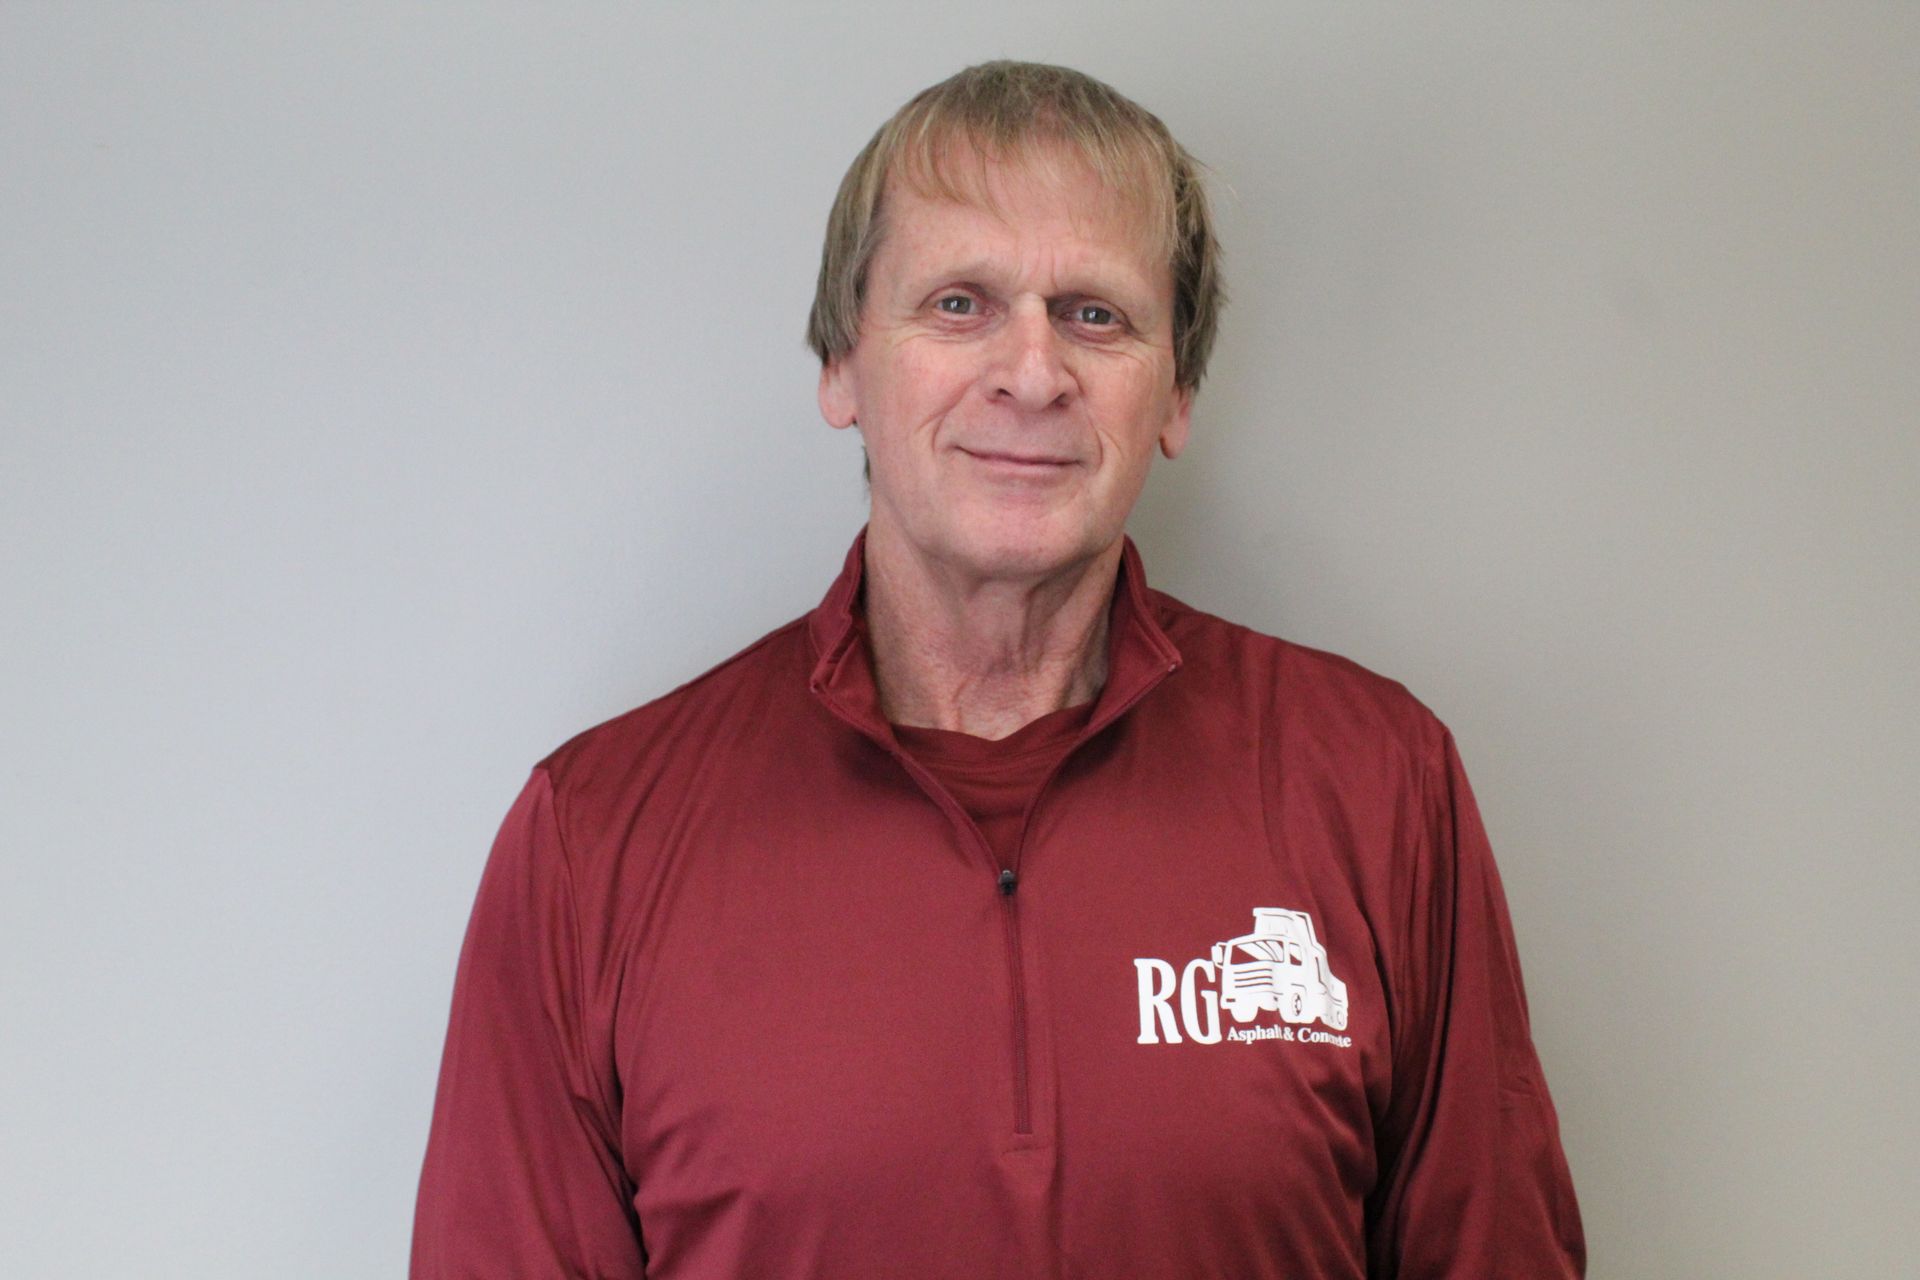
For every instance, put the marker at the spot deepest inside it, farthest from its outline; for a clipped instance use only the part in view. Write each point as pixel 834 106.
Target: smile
pixel 1032 464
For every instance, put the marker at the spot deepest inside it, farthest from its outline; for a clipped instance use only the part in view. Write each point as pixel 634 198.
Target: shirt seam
pixel 601 1101
pixel 1260 766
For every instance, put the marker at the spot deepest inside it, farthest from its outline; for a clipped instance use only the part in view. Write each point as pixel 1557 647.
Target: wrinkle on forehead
pixel 966 171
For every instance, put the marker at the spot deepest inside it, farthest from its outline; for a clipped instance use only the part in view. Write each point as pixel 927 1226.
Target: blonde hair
pixel 1000 111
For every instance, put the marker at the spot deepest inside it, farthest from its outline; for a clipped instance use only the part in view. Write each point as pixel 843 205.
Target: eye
pixel 1094 314
pixel 956 304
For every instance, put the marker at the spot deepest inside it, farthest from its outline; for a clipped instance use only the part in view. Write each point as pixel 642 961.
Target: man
pixel 1001 917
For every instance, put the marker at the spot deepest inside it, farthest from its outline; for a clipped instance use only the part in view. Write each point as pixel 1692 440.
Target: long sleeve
pixel 522 1175
pixel 1475 1184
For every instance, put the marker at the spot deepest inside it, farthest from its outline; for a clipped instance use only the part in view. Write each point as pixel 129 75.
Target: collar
pixel 1139 654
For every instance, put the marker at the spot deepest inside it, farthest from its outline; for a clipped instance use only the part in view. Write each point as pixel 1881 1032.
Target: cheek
pixel 920 384
pixel 1136 409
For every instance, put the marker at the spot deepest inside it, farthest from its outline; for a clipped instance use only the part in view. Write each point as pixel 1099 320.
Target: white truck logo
pixel 1282 968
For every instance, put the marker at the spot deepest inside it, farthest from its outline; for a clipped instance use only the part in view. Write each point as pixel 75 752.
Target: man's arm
pixel 522 1174
pixel 1474 1181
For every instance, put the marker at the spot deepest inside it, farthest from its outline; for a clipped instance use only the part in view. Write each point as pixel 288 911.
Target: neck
pixel 983 656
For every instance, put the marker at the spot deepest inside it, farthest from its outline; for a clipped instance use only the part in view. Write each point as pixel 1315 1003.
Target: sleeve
pixel 1474 1183
pixel 522 1175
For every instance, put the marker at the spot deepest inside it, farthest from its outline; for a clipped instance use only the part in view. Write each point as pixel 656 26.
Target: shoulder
pixel 1304 694
pixel 632 753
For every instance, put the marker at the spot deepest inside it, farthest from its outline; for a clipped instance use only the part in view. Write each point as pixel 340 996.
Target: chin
pixel 1011 547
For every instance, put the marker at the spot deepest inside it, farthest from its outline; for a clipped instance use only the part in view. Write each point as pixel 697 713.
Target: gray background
pixel 389 392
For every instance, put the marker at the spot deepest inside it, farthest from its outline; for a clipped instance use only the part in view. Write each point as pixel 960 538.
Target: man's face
pixel 1014 372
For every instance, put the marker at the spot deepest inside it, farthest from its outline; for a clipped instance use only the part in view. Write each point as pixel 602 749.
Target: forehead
pixel 1016 181
pixel 1040 193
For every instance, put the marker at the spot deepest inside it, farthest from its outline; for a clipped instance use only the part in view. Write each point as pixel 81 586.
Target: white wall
pixel 389 392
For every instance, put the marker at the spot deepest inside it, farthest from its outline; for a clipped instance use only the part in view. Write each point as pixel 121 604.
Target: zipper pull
pixel 1008 882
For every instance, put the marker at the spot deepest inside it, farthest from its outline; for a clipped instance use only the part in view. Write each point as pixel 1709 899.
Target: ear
pixel 837 399
pixel 1173 437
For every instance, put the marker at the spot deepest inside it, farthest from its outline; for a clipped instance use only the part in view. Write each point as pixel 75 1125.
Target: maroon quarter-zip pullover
pixel 748 995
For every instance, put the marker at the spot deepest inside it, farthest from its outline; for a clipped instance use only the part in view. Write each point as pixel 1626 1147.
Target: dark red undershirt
pixel 996 779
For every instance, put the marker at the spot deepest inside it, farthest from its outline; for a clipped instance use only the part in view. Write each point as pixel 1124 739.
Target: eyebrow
pixel 1125 287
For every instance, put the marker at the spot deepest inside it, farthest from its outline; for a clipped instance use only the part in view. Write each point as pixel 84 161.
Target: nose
pixel 1031 371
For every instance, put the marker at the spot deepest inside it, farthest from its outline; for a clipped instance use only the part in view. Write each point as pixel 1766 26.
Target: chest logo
pixel 1278 969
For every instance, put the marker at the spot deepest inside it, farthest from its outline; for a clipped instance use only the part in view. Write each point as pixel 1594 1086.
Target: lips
pixel 1036 461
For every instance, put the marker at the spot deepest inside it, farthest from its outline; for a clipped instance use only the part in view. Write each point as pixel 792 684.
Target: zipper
pixel 1006 879
pixel 1006 882
pixel 1009 883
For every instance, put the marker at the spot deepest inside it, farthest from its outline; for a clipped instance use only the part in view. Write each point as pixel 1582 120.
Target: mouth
pixel 1023 463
